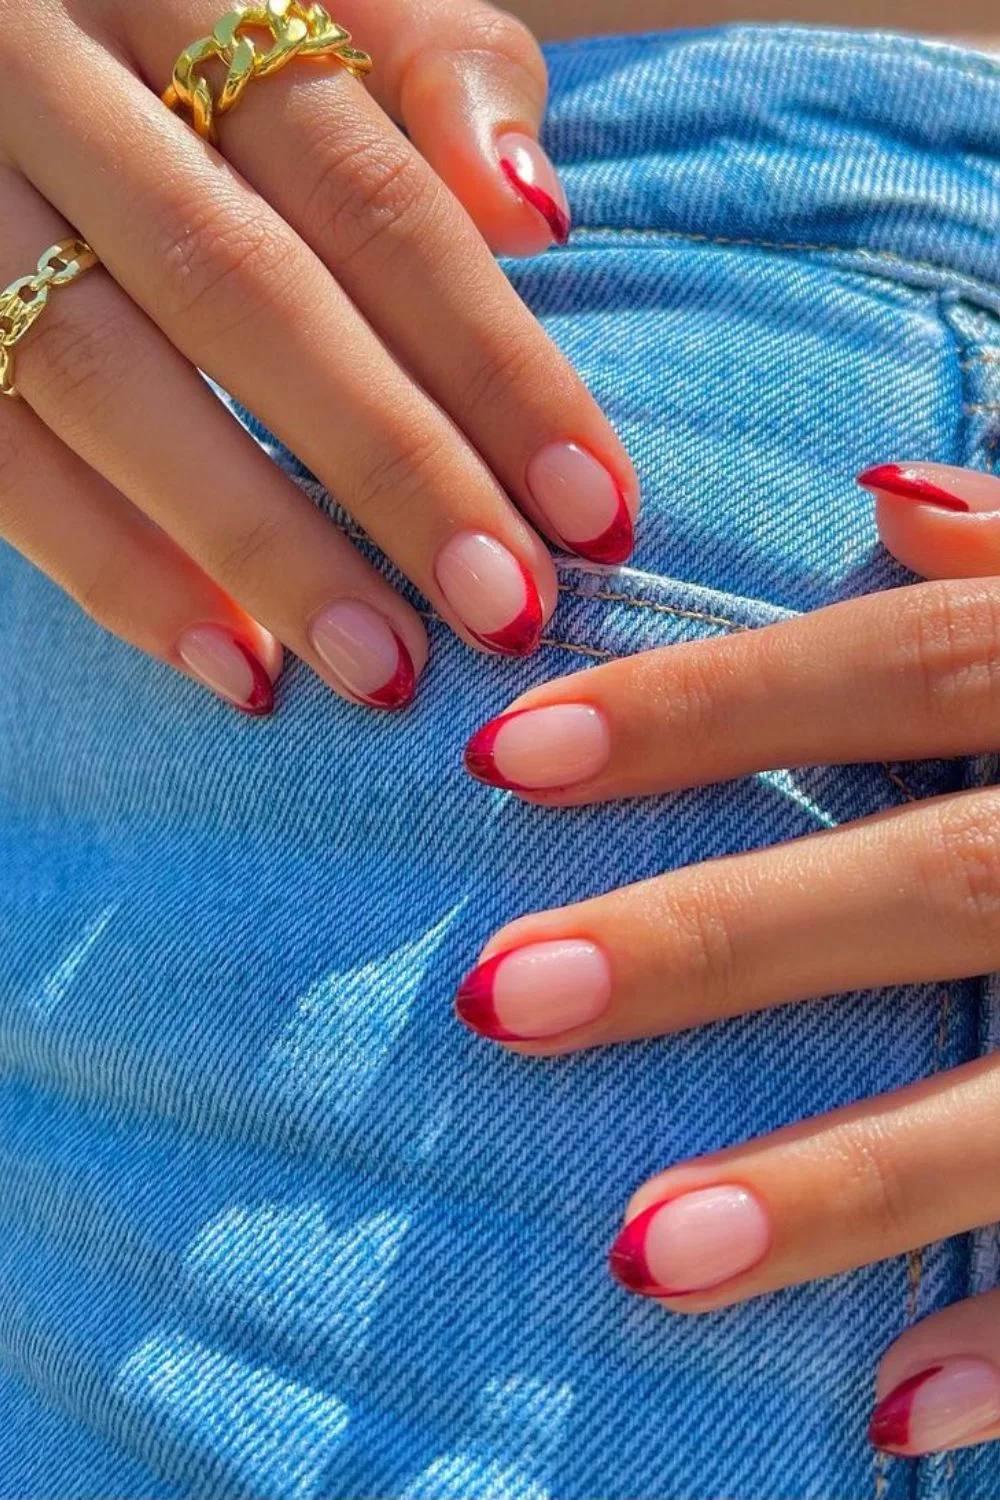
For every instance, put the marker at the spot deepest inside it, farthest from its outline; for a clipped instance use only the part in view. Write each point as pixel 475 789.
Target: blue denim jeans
pixel 273 1225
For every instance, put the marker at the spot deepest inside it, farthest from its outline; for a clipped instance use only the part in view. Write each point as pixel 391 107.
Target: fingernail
pixel 539 990
pixel 582 501
pixel 691 1243
pixel 945 1404
pixel 492 593
pixel 229 666
pixel 364 652
pixel 531 174
pixel 910 484
pixel 535 748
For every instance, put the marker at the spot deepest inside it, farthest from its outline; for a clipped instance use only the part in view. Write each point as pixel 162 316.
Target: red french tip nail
pixel 479 758
pixel 522 635
pixel 474 1003
pixel 557 220
pixel 890 1422
pixel 627 1257
pixel 261 699
pixel 894 479
pixel 613 545
pixel 399 690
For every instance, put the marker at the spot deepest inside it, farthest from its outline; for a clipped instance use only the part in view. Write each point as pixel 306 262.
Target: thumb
pixel 939 521
pixel 469 84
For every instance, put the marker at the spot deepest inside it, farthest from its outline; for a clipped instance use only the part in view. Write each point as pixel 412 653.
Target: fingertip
pixel 938 520
pixel 476 122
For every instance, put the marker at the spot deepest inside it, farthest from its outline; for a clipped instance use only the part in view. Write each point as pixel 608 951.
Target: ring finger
pixel 860 1184
pixel 905 897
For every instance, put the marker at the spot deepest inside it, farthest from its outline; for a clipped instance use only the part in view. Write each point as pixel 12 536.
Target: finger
pixel 227 280
pixel 898 899
pixel 939 1384
pixel 899 675
pixel 469 82
pixel 321 151
pixel 870 1181
pixel 940 521
pixel 128 575
pixel 189 466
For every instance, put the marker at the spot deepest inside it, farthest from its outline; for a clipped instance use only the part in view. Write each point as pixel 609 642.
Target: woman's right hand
pixel 339 282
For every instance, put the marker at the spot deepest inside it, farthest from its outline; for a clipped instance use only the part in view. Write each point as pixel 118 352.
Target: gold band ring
pixel 22 302
pixel 296 30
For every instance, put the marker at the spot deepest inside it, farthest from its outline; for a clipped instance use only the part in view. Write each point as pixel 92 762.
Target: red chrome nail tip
pixel 627 1257
pixel 474 1004
pixel 557 220
pixel 894 479
pixel 522 635
pixel 614 544
pixel 399 690
pixel 479 757
pixel 890 1423
pixel 261 700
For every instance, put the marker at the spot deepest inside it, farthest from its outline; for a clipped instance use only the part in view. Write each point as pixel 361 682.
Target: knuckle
pixel 394 477
pixel 248 563
pixel 78 362
pixel 223 269
pixel 961 868
pixel 15 461
pixel 370 196
pixel 704 949
pixel 502 374
pixel 875 1187
pixel 947 637
pixel 107 595
pixel 485 33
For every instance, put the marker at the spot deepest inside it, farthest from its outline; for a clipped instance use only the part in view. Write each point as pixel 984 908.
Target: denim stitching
pixel 861 252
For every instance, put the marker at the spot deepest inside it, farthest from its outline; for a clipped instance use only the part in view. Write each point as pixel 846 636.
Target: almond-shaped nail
pixel 908 482
pixel 691 1243
pixel 582 501
pixel 540 749
pixel 364 653
pixel 945 1404
pixel 540 990
pixel 534 178
pixel 229 666
pixel 491 592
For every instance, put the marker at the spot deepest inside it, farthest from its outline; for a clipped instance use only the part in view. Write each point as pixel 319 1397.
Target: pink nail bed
pixel 229 666
pixel 540 990
pixel 491 592
pixel 535 180
pixel 950 1402
pixel 582 501
pixel 536 749
pixel 691 1243
pixel 364 653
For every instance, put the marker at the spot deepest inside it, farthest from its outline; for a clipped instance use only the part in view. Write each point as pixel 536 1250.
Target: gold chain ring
pixel 296 30
pixel 24 300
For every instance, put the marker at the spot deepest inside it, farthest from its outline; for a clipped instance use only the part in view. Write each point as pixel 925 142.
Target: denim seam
pixel 857 253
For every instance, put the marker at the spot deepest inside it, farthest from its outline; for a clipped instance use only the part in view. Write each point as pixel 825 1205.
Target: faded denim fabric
pixel 273 1224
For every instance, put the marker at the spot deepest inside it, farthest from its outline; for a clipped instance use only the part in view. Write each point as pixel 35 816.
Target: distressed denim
pixel 273 1224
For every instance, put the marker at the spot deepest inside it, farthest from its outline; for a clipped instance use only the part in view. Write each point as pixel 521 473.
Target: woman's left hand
pixel 912 895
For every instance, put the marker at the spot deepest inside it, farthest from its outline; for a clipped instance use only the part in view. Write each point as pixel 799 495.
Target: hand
pixel 336 278
pixel 912 895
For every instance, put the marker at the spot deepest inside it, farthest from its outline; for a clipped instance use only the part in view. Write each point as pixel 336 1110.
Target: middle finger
pixel 905 897
pixel 317 146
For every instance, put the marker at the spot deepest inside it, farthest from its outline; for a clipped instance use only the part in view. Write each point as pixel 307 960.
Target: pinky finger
pixel 939 1384
pixel 123 570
